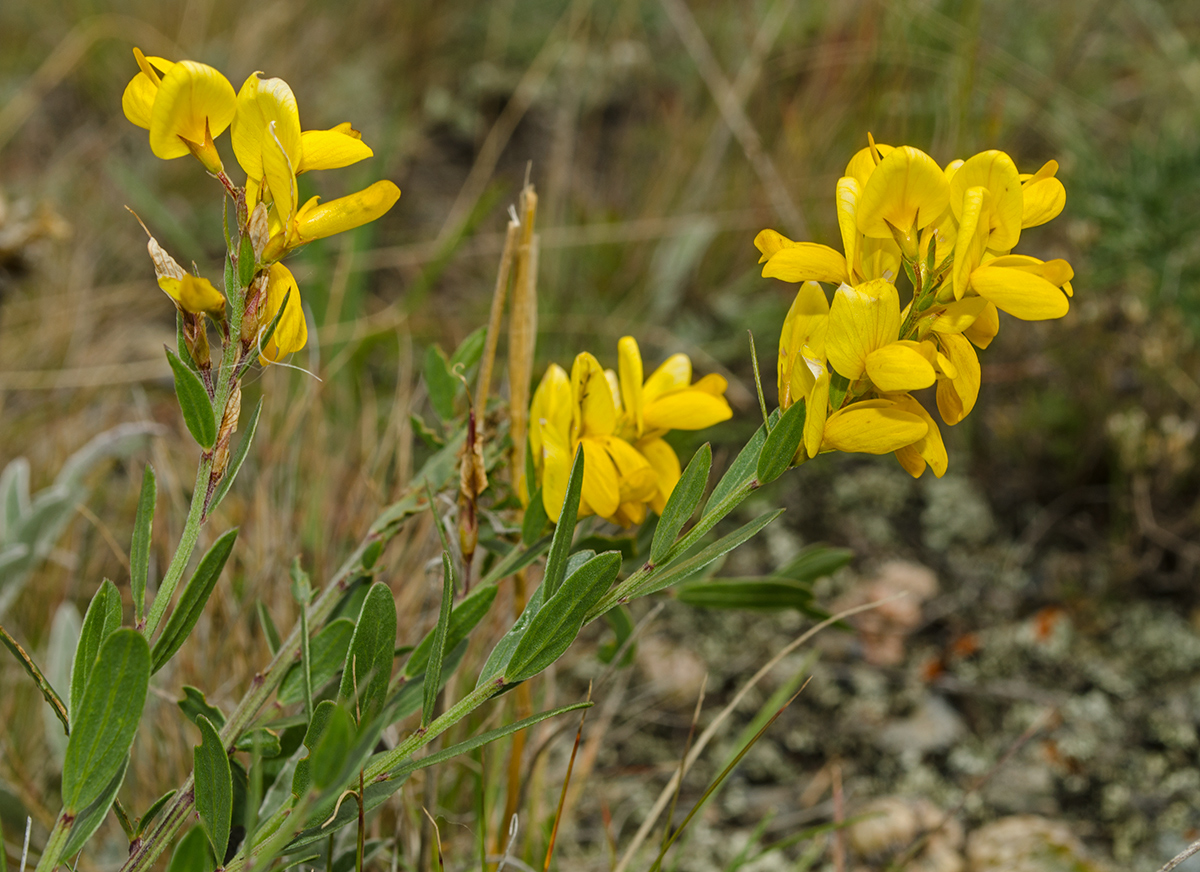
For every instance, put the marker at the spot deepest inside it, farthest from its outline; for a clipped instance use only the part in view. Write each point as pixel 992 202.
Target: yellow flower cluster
pixel 951 231
pixel 618 419
pixel 186 104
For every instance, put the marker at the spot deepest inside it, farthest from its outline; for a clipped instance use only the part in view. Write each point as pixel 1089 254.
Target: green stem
pixel 55 843
pixel 183 553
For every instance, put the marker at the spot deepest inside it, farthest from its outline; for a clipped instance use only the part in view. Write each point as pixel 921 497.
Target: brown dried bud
pixel 165 266
pixel 259 230
pixel 229 425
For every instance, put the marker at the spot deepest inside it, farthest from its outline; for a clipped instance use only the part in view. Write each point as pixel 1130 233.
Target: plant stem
pixel 55 843
pixel 183 553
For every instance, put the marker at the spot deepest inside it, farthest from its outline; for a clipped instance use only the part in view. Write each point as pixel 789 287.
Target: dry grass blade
pixel 51 696
pixel 711 731
pixel 562 797
pixel 1191 849
pixel 522 338
pixel 484 384
pixel 687 746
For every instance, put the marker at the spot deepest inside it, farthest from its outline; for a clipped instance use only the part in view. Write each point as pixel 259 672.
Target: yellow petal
pixel 770 241
pixel 674 373
pixel 1022 294
pixel 928 449
pixel 629 514
pixel 259 103
pixel 956 396
pixel 958 316
pixel 807 262
pixel 556 469
pixel 629 365
pixel 863 163
pixel 861 319
pixel 1043 201
pixel 713 383
pixel 614 389
pixel 847 194
pixel 346 213
pixel 197 295
pixel 985 327
pixel 551 407
pixel 594 413
pixel 972 237
pixel 191 96
pixel 815 414
pixel 873 427
pixel 898 367
pixel 665 463
pixel 637 480
pixel 995 171
pixel 291 333
pixel 879 259
pixel 601 486
pixel 138 100
pixel 908 189
pixel 332 149
pixel 1057 272
pixel 686 409
pixel 806 323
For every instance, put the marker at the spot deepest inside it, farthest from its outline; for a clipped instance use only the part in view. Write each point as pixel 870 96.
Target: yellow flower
pixel 194 294
pixel 802 344
pixel 184 108
pixel 291 333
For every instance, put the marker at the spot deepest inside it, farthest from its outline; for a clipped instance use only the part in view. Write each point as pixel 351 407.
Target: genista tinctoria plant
pixel 292 774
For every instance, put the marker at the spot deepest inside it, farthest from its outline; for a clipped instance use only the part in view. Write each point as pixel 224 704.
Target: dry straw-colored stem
pixel 522 337
pixel 484 384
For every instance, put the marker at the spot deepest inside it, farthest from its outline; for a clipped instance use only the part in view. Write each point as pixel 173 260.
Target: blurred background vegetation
pixel 660 142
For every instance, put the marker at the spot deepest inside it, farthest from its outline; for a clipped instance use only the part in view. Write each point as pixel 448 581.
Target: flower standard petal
pixel 665 463
pixel 873 427
pixel 995 171
pixel 332 149
pixel 593 411
pixel 908 189
pixel 861 319
pixel 672 374
pixel 193 102
pixel 138 100
pixel 317 221
pixel 863 164
pixel 266 116
pixel 807 261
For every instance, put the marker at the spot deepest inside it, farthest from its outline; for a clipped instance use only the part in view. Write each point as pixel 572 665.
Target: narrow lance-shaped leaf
pixel 143 823
pixel 681 504
pixel 302 594
pixel 192 854
pixel 327 655
pixel 139 549
pixel 194 402
pixel 815 561
pixel 463 619
pixel 107 719
pixel 556 625
pixel 270 631
pixel 535 519
pixel 238 458
pixel 433 675
pixel 781 444
pixel 89 820
pixel 741 471
pixel 194 705
pixel 191 602
pixel 439 382
pixel 103 618
pixel 214 786
pixel 369 660
pixel 564 531
pixel 755 594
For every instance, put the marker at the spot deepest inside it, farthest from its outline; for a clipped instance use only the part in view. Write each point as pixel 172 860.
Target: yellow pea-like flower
pixel 802 344
pixel 995 172
pixel 1043 196
pixel 906 192
pixel 194 294
pixel 291 333
pixel 878 426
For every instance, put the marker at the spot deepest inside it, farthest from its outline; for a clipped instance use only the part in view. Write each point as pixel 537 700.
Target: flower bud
pixel 259 230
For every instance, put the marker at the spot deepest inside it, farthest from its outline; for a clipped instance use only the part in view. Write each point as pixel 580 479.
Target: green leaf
pixel 498 660
pixel 742 470
pixel 139 549
pixel 440 383
pixel 469 351
pixel 516 560
pixel 838 385
pixel 463 619
pixel 214 786
pixel 564 531
pixel 143 823
pixel 195 705
pixel 191 602
pixel 245 262
pixel 327 656
pixel 535 519
pixel 411 693
pixel 193 854
pixel 107 720
pixel 681 505
pixel 559 621
pixel 751 594
pixel 103 618
pixel 437 650
pixel 302 776
pixel 815 561
pixel 14 496
pixel 181 344
pixel 268 742
pixel 238 458
pixel 89 820
pixel 622 627
pixel 781 444
pixel 194 403
pixel 328 758
pixel 270 631
pixel 682 569
pixel 369 660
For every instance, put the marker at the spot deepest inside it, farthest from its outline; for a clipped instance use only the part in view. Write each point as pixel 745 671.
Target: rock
pixel 883 630
pixel 1027 843
pixel 935 725
pixel 674 671
pixel 893 823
